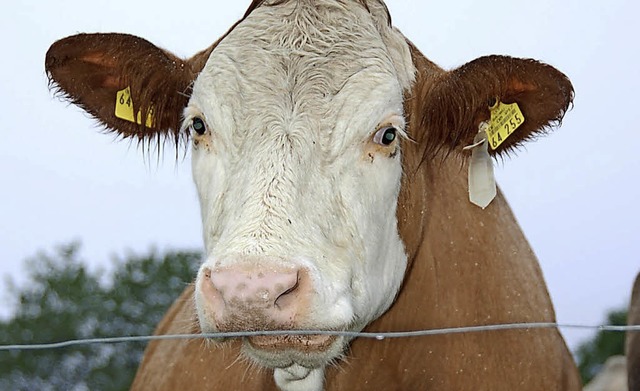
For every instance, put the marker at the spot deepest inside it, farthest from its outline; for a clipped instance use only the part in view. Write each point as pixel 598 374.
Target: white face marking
pixel 288 172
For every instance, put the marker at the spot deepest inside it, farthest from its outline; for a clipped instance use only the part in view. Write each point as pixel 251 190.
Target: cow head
pixel 297 118
pixel 296 161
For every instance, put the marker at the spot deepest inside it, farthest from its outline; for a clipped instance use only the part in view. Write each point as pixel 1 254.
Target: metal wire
pixel 351 334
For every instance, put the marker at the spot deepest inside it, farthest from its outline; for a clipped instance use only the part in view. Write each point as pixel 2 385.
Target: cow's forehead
pixel 323 69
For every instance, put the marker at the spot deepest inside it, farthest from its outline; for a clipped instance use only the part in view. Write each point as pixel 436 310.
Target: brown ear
pixel 453 104
pixel 91 69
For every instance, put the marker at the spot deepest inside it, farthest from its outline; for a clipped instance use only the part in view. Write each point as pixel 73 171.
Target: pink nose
pixel 254 297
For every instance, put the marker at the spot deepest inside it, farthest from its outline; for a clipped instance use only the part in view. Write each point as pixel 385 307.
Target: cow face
pixel 296 121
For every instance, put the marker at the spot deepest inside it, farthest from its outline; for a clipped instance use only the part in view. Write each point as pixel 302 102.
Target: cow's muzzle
pixel 255 298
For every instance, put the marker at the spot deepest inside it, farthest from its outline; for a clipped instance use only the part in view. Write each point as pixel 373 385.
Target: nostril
pixel 286 298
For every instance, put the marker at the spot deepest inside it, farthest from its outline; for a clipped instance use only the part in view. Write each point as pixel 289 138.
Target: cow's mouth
pixel 303 343
pixel 281 351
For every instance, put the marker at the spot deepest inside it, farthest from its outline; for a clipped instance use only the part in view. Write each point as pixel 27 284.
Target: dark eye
pixel 198 126
pixel 385 136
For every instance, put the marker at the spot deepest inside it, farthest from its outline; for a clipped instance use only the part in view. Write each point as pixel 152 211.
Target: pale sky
pixel 575 192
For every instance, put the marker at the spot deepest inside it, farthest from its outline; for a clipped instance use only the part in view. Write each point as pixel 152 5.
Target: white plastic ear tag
pixel 482 182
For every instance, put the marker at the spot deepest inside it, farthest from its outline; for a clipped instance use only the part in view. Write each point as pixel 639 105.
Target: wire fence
pixel 350 334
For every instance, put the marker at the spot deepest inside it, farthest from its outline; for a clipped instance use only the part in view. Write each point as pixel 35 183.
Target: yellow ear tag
pixel 124 108
pixel 505 119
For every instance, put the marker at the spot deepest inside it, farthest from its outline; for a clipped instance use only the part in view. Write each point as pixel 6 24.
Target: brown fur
pixel 454 103
pixel 467 266
pixel 90 68
pixel 633 339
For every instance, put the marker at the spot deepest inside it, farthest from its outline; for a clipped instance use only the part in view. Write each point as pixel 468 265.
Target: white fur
pixel 288 170
pixel 299 378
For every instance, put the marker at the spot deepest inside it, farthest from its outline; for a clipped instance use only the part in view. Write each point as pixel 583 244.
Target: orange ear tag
pixel 505 119
pixel 124 109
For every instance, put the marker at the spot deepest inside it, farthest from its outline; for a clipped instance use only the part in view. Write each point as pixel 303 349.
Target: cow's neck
pixel 462 258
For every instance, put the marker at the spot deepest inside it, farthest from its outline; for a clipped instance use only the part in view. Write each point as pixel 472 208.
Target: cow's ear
pixel 131 86
pixel 453 104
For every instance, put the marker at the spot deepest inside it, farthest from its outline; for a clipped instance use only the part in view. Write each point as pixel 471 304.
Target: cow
pixel 632 345
pixel 612 376
pixel 330 159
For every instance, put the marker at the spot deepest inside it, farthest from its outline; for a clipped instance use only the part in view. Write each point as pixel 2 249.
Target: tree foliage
pixel 62 301
pixel 593 353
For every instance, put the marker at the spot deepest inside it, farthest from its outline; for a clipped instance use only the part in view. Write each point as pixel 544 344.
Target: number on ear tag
pixel 124 109
pixel 505 119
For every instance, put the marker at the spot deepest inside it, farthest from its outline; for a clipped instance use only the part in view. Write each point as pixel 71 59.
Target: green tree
pixel 593 353
pixel 62 300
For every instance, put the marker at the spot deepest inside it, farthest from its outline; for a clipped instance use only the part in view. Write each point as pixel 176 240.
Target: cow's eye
pixel 386 135
pixel 198 125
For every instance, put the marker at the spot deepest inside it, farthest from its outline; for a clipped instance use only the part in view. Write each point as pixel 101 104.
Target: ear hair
pixel 90 69
pixel 451 105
